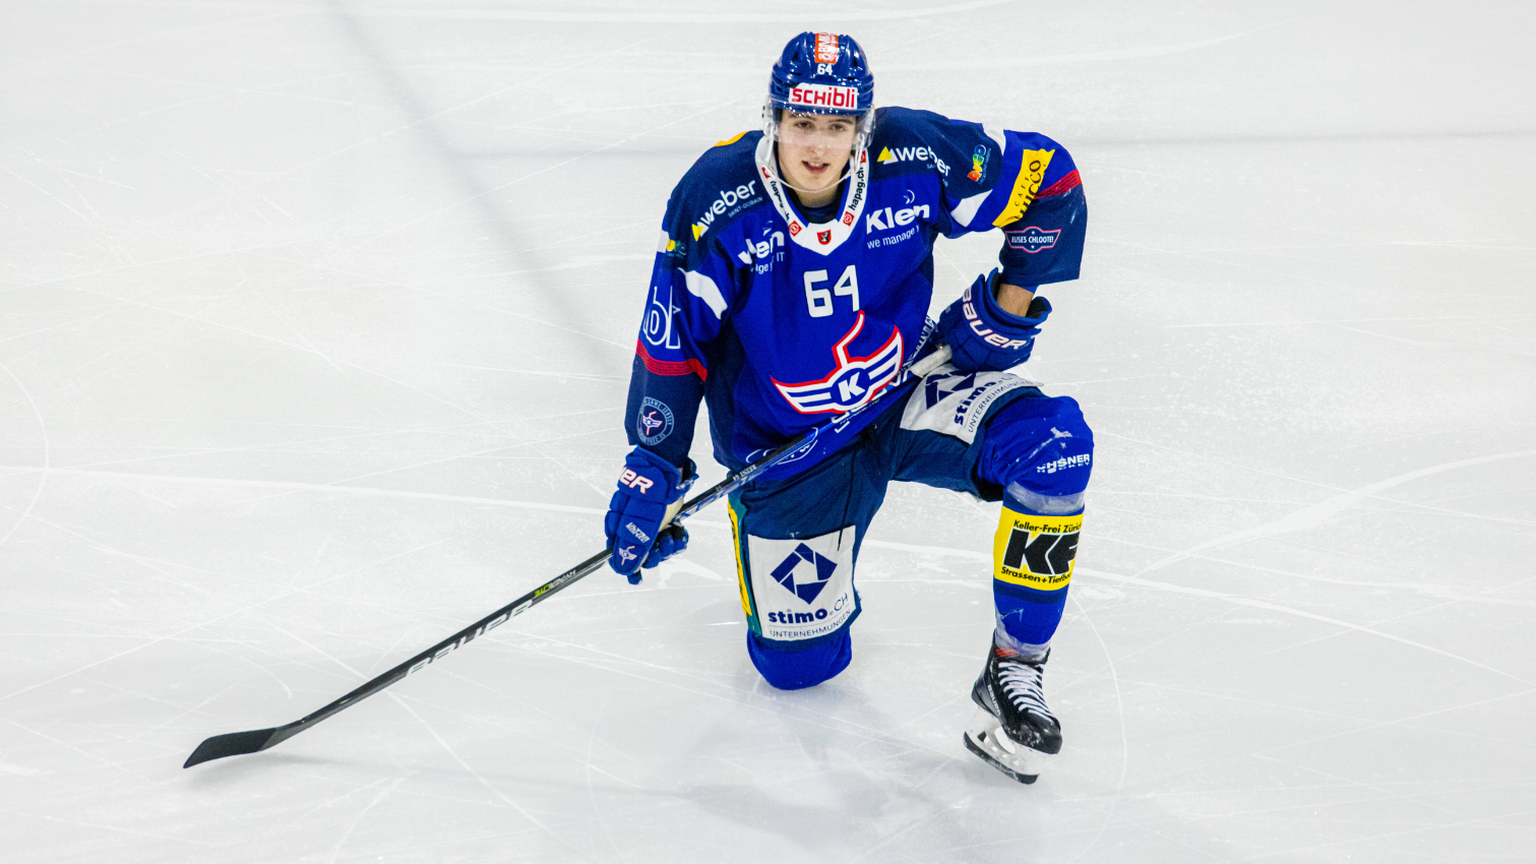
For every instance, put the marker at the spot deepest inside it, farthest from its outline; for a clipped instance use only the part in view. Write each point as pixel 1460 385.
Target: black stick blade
pixel 233 744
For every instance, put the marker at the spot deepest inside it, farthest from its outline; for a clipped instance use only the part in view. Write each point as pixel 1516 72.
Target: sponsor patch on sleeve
pixel 1026 186
pixel 1032 238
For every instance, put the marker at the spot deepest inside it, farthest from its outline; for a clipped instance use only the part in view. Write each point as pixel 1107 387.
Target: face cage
pixel 771 132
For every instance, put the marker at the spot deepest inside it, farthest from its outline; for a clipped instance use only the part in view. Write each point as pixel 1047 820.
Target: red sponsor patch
pixel 823 237
pixel 826 47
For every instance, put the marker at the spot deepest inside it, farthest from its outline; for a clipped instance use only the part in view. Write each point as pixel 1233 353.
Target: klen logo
pixel 804 582
pixel 1032 239
pixel 884 220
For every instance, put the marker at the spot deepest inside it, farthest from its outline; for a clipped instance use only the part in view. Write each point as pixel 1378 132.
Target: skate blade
pixel 984 737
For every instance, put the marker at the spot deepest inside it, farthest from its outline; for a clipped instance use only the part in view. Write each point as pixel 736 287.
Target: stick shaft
pixel 250 742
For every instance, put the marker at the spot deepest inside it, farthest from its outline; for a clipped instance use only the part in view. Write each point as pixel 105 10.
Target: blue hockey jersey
pixel 781 323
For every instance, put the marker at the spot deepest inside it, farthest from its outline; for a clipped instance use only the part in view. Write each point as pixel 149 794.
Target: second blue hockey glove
pixel 982 336
pixel 647 486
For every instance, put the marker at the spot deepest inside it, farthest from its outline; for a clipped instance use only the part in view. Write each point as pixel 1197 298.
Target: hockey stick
pixel 238 743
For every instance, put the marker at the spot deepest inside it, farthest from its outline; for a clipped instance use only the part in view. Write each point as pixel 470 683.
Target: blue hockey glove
pixel 983 336
pixel 647 486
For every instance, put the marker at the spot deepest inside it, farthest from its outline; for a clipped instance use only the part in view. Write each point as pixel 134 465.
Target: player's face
pixel 814 148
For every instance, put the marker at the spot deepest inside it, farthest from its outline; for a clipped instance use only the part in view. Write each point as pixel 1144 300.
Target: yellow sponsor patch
pixel 1026 186
pixel 885 155
pixel 741 571
pixel 1035 551
pixel 698 230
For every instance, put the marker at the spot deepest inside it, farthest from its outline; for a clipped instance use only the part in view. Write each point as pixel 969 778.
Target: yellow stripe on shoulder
pixel 729 141
pixel 1032 167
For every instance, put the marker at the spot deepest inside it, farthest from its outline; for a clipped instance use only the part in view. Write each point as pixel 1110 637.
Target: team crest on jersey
pixel 655 421
pixel 854 382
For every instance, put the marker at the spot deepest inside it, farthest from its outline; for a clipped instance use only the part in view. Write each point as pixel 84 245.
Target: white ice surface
pixel 315 326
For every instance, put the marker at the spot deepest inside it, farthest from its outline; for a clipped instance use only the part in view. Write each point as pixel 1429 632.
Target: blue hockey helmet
pixel 822 73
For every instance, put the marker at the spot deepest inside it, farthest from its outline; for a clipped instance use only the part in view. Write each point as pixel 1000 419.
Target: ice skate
pixel 1013 730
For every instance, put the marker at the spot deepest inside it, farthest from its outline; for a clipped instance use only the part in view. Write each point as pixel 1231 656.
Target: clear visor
pixel 818 131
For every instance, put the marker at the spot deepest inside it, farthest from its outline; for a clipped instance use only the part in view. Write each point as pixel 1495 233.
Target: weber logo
pixel 912 154
pixel 824 96
pixel 744 194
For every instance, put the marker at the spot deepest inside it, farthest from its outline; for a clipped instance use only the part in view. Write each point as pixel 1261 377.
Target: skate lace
pixel 1022 683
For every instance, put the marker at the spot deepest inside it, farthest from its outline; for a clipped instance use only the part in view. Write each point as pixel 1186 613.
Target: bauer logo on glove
pixel 647 486
pixel 982 335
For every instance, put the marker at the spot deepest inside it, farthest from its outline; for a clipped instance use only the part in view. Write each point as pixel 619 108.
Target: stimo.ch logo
pixel 802 581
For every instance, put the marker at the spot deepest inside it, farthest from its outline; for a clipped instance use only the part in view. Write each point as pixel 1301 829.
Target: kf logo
pixel 1045 554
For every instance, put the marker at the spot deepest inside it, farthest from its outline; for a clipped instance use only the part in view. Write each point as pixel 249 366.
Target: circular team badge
pixel 654 423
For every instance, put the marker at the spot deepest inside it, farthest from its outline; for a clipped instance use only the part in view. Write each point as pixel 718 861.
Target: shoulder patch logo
pixel 979 163
pixel 1026 186
pixel 729 201
pixel 1032 239
pixel 655 421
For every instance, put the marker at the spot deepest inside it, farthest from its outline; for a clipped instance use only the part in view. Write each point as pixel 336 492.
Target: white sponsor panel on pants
pixel 803 586
pixel 954 402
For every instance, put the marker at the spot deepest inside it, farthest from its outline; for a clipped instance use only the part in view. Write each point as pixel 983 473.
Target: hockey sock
pixel 1032 553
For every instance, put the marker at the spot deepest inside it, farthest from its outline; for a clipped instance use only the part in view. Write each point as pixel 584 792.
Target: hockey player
pixel 792 282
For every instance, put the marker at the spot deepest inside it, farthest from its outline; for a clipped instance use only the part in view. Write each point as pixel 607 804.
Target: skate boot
pixel 1013 730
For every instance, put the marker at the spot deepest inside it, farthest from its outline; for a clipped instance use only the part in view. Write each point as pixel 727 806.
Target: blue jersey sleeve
pixel 692 286
pixel 1022 182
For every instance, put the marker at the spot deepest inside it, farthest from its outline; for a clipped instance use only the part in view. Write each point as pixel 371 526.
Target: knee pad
pixel 1039 447
pixel 788 666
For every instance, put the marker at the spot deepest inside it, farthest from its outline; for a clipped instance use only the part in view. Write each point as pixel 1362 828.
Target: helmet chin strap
pixel 779 176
